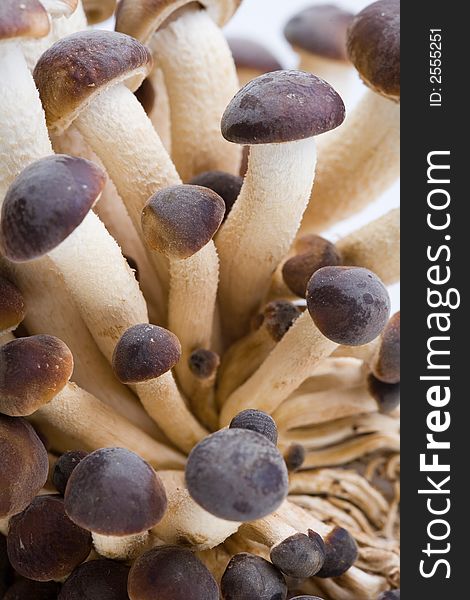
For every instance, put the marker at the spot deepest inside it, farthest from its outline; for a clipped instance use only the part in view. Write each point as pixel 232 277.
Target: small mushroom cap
pixel 320 30
pixel 204 363
pixel 249 54
pixel 26 19
pixel 112 491
pixel 145 352
pixel 24 465
pixel 82 65
pixel 341 553
pixel 12 307
pixel 349 305
pixel 46 203
pixel 313 253
pixel 277 317
pixel 387 395
pixel 295 457
pixel 282 106
pixel 250 576
pixel 64 467
pixel 256 420
pixel 237 475
pixel 100 579
pixel 141 18
pixel 33 370
pixel 180 220
pixel 299 555
pixel 374 47
pixel 390 595
pixel 43 543
pixel 25 589
pixel 98 11
pixel 226 185
pixel 171 573
pixel 386 363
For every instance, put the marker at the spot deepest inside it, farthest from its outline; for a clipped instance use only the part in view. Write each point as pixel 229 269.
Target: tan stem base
pixel 121 548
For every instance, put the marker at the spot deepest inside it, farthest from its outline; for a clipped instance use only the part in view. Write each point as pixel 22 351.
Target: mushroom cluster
pixel 199 393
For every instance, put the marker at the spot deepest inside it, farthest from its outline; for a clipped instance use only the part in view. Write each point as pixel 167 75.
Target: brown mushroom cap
pixel 25 19
pixel 98 11
pixel 33 370
pixel 100 579
pixel 390 595
pixel 374 47
pixel 349 305
pixel 112 491
pixel 171 573
pixel 237 475
pixel 340 553
pixel 46 203
pixel 249 54
pixel 25 589
pixel 295 457
pixel 256 420
pixel 145 352
pixel 386 364
pixel 321 30
pixel 180 220
pixel 64 467
pixel 250 576
pixel 82 65
pixel 203 363
pixel 306 598
pixel 226 185
pixel 299 555
pixel 387 395
pixel 43 543
pixel 313 253
pixel 277 317
pixel 24 465
pixel 5 567
pixel 12 307
pixel 282 106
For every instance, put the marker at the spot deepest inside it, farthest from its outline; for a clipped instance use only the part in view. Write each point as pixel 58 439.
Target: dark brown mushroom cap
pixel 145 352
pixel 12 307
pixel 320 30
pixel 141 18
pixel 98 11
pixel 313 253
pixel 226 185
pixel 282 106
pixel 43 543
pixel 23 467
pixel 340 553
pixel 33 371
pixel 250 576
pixel 26 589
pixel 250 54
pixel 100 579
pixel 64 467
pixel 112 491
pixel 306 598
pixel 5 567
pixel 145 94
pixel 386 363
pixel 204 363
pixel 170 573
pixel 349 305
pixel 390 595
pixel 256 420
pixel 46 203
pixel 277 317
pixel 180 220
pixel 26 19
pixel 299 555
pixel 294 457
pixel 387 395
pixel 237 475
pixel 374 47
pixel 82 65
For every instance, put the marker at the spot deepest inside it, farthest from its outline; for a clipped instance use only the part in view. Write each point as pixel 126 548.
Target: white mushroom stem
pixel 261 227
pixel 287 366
pixel 187 524
pixel 6 337
pixel 160 114
pixel 124 548
pixel 216 560
pixel 270 530
pixel 77 413
pixel 356 164
pixel 302 520
pixel 200 79
pixel 364 353
pixel 142 165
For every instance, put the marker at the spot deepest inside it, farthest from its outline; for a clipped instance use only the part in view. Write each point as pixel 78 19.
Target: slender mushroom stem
pixel 159 113
pixel 204 365
pixel 216 560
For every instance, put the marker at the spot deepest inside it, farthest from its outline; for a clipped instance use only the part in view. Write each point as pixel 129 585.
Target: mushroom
pixel 12 309
pixel 24 465
pixel 204 364
pixel 190 49
pixel 24 589
pixel 355 584
pixel 170 573
pixel 153 96
pixel 227 474
pixel 216 560
pixel 117 496
pixel 5 568
pixel 35 373
pixel 346 305
pixel 64 467
pixel 144 356
pixel 98 11
pixel 180 222
pixel 256 420
pixel 226 185
pixel 101 579
pixel 43 543
pixel 252 59
pixel 278 115
pixel 294 455
pixel 306 598
pixel 318 35
pixel 243 357
pixel 362 159
pixel 390 595
pixel 251 576
pixel 387 395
